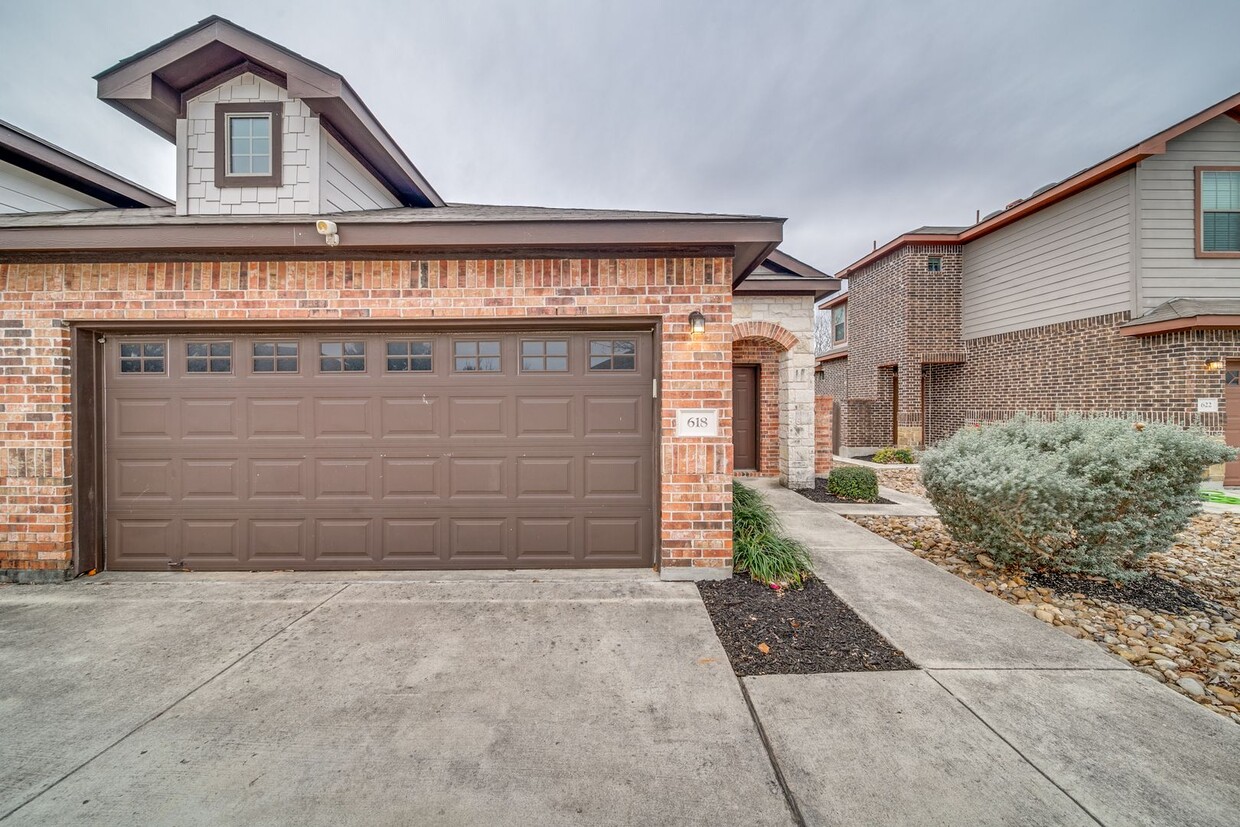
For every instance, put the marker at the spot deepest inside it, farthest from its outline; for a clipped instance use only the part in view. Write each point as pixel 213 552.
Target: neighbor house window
pixel 1218 198
pixel 934 264
pixel 839 326
pixel 247 144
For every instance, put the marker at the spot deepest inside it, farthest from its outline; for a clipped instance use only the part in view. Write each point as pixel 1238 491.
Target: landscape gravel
pixel 1192 648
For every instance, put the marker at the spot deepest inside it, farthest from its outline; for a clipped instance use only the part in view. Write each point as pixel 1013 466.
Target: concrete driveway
pixel 300 699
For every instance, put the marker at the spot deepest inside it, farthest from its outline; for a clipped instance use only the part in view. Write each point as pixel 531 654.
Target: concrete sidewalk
pixel 1006 720
pixel 508 698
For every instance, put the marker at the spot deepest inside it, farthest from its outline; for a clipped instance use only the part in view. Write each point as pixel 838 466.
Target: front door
pixel 745 417
pixel 1231 401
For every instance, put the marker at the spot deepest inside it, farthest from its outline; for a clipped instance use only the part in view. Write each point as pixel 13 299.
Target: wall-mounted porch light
pixel 697 323
pixel 1214 364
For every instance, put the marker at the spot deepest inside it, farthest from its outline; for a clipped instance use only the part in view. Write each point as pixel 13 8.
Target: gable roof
pixel 1054 193
pixel 45 159
pixel 1185 314
pixel 153 86
pixel 782 275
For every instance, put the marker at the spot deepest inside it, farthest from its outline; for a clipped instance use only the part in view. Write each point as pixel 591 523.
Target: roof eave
pixel 1201 322
pixel 815 287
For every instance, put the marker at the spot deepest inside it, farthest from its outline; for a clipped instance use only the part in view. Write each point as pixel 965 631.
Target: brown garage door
pixel 398 451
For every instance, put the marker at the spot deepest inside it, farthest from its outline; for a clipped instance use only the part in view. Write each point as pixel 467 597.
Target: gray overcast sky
pixel 855 120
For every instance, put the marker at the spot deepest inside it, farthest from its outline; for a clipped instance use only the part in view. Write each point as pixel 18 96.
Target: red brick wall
pixel 823 406
pixel 1088 366
pixel 766 356
pixel 36 300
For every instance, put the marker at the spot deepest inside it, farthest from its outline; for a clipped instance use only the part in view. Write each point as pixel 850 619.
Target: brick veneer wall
pixel 1087 366
pixel 901 316
pixel 823 406
pixel 765 355
pixel 38 300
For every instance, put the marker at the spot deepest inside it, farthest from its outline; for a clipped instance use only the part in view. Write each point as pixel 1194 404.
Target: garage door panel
pixel 277 418
pixel 211 479
pixel 142 420
pixel 343 419
pixel 480 539
pixel 411 477
pixel 143 480
pixel 477 416
pixel 546 416
pixel 399 468
pixel 344 540
pixel 344 479
pixel 277 542
pixel 412 541
pixel 210 419
pixel 210 543
pixel 409 417
pixel 543 477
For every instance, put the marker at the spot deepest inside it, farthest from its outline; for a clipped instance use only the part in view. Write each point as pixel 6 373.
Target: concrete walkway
pixel 332 699
pixel 1006 721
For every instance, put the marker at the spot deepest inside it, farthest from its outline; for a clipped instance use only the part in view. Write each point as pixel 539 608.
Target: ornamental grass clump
pixel 757 546
pixel 852 482
pixel 1082 495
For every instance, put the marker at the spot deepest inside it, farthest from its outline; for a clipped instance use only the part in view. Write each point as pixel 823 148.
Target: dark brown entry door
pixel 404 450
pixel 1231 399
pixel 745 417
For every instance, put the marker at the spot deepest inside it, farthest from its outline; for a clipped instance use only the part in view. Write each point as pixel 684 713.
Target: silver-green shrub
pixel 1087 495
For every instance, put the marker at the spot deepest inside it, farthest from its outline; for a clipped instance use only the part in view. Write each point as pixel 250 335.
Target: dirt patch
pixel 793 631
pixel 820 494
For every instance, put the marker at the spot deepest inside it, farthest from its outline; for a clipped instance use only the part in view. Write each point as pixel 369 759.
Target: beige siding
pixel 24 191
pixel 298 193
pixel 1069 261
pixel 346 185
pixel 1169 268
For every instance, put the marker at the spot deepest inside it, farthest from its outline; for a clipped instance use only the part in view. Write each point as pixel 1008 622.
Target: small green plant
pixel 1089 495
pixel 852 482
pixel 901 456
pixel 758 548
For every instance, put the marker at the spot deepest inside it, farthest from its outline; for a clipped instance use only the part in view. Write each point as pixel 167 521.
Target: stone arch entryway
pixel 769 357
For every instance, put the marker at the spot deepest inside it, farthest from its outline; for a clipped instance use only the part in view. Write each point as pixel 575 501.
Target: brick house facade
pixel 77 289
pixel 1092 296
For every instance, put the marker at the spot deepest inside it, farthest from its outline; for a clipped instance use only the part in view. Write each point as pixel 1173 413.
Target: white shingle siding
pixel 24 191
pixel 1070 261
pixel 345 185
pixel 1169 267
pixel 300 155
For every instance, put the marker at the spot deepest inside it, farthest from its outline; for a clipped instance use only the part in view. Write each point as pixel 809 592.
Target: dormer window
pixel 247 144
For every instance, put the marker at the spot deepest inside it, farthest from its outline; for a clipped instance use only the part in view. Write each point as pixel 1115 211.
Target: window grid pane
pixel 208 357
pixel 407 356
pixel 470 356
pixel 544 355
pixel 342 357
pixel 613 354
pixel 275 357
pixel 249 144
pixel 142 357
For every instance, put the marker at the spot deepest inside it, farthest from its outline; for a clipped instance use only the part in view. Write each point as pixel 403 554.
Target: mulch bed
pixel 820 494
pixel 1155 593
pixel 805 630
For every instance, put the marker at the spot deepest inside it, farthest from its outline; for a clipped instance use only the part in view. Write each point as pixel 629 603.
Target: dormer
pixel 261 130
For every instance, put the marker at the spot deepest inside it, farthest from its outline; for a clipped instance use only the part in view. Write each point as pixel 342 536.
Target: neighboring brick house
pixel 311 361
pixel 1114 291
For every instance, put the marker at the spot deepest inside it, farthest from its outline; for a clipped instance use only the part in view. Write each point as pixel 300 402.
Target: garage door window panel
pixel 613 355
pixel 544 356
pixel 276 357
pixel 410 357
pixel 143 357
pixel 342 357
pixel 476 356
pixel 208 357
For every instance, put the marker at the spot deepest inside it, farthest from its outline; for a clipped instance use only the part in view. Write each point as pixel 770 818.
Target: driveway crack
pixel 178 701
pixel 797 817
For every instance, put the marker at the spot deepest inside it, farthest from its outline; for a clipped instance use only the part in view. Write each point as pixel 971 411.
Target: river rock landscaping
pixel 904 480
pixel 789 631
pixel 1180 625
